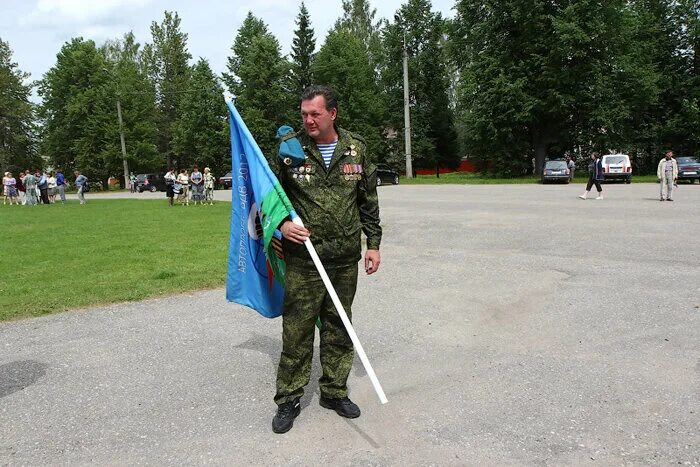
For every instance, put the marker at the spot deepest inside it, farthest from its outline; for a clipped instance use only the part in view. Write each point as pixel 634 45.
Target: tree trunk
pixel 540 154
pixel 541 140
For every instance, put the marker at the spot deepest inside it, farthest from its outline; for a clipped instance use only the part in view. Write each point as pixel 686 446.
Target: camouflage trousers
pixel 306 299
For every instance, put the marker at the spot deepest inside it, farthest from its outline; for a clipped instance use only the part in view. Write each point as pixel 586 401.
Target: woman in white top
pixel 52 188
pixel 184 182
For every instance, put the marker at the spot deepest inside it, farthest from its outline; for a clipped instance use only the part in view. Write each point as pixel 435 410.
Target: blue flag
pixel 259 205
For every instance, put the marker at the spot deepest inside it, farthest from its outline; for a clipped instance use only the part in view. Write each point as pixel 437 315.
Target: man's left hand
pixel 372 261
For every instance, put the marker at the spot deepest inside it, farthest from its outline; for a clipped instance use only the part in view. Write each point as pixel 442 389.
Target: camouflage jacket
pixel 336 204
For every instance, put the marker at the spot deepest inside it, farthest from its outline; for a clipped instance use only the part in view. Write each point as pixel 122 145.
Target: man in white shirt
pixel 667 173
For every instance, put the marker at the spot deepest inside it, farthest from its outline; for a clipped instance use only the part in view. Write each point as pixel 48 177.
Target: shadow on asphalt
pixel 19 375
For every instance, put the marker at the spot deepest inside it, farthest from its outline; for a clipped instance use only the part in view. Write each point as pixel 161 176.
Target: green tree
pixel 258 78
pixel 303 46
pixel 78 112
pixel 167 62
pixel 433 134
pixel 359 20
pixel 202 131
pixel 663 41
pixel 136 95
pixel 17 117
pixel 538 77
pixel 343 64
pixel 251 28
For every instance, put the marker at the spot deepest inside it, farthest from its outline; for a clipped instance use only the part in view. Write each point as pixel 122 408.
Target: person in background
pixel 595 171
pixel 208 186
pixel 12 189
pixel 61 185
pixel 20 188
pixel 170 181
pixel 184 182
pixel 197 185
pixel 667 173
pixel 571 165
pixel 9 186
pixel 80 181
pixel 30 187
pixel 43 185
pixel 5 177
pixel 132 183
pixel 52 188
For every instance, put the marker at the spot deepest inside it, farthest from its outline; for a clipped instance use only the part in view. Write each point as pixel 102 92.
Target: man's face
pixel 318 121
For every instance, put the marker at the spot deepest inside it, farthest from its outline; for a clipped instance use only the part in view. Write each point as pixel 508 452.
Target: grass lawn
pixel 463 178
pixel 59 257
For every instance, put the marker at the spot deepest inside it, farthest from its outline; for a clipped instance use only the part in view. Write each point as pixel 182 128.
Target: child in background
pixel 208 186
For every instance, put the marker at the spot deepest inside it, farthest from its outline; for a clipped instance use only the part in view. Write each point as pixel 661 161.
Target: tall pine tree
pixel 343 64
pixel 359 20
pixel 258 78
pixel 167 61
pixel 303 47
pixel 202 130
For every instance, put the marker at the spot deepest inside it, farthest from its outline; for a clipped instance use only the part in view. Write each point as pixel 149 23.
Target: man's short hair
pixel 320 90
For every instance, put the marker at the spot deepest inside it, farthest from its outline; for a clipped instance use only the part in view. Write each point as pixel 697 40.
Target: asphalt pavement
pixel 508 325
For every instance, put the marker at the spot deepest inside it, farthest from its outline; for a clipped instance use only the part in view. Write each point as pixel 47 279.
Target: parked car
pixel 688 168
pixel 617 167
pixel 226 181
pixel 385 174
pixel 150 182
pixel 555 171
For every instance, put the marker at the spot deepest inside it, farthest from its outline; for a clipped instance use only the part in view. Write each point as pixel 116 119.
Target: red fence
pixel 464 166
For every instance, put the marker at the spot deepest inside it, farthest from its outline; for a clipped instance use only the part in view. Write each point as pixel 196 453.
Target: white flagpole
pixel 344 317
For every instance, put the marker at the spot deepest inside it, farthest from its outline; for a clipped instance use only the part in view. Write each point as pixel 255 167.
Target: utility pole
pixel 127 181
pixel 406 111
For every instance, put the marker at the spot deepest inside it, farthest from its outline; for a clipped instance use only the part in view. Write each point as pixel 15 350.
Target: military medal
pixel 287 161
pixel 308 178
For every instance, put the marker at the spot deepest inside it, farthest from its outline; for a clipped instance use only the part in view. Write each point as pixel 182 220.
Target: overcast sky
pixel 36 29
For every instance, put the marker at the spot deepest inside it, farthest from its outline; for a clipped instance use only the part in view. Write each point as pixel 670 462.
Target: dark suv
pixel 555 171
pixel 150 182
pixel 688 168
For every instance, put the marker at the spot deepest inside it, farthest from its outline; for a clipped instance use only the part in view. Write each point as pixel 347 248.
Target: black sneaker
pixel 284 418
pixel 343 406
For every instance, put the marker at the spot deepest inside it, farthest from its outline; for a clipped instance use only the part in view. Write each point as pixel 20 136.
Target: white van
pixel 617 167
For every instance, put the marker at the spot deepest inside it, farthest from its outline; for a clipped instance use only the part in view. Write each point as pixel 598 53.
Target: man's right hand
pixel 294 233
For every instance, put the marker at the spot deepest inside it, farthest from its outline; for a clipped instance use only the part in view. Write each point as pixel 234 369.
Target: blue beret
pixel 291 153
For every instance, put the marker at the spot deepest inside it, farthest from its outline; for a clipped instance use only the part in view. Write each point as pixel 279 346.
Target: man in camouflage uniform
pixel 336 203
